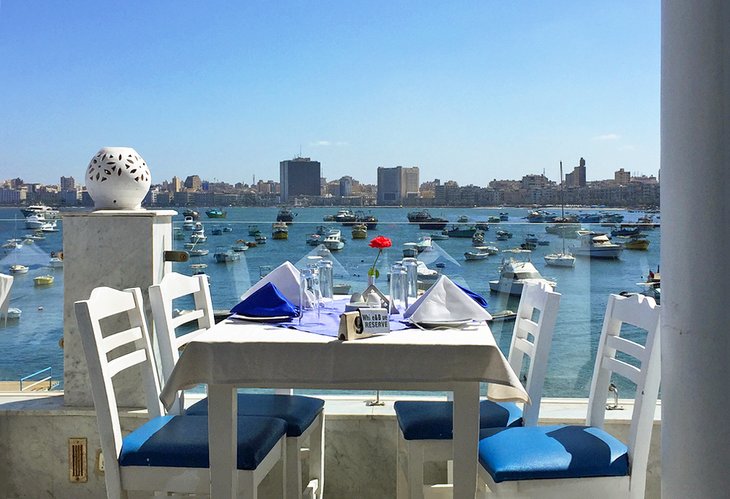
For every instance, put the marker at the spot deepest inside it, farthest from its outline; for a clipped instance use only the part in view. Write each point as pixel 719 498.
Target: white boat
pixel 39 209
pixel 438 237
pixel 596 245
pixel 515 272
pixel 424 244
pixel 560 259
pixel 333 241
pixel 260 238
pixel 18 269
pixel 198 236
pixel 13 313
pixel 49 227
pixel 475 254
pixel 198 252
pixel 425 276
pixel 55 262
pixel 410 250
pixel 189 223
pixel 35 221
pixel 239 246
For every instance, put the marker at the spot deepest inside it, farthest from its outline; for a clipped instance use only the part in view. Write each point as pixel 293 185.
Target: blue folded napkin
pixel 267 301
pixel 474 296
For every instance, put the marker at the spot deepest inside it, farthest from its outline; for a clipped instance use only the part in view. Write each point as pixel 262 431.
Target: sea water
pixel 32 343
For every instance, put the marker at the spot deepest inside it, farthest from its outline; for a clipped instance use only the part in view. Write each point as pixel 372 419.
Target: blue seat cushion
pixel 423 420
pixel 534 452
pixel 298 411
pixel 182 442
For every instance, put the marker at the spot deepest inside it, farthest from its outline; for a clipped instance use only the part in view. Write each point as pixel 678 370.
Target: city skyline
pixel 483 90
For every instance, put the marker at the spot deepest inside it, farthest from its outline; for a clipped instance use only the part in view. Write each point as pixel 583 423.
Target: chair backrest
pixel 532 338
pixel 642 312
pixel 99 320
pixel 168 322
pixel 6 282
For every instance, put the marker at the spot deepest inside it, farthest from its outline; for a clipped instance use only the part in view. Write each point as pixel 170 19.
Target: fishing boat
pixel 191 213
pixel 13 314
pixel 198 236
pixel 370 221
pixel 503 235
pixel 460 231
pixel 315 239
pixel 279 230
pixel 596 245
pixel 216 231
pixel 18 269
pixel 285 215
pixel 360 231
pixel 438 236
pixel 637 243
pixel 189 223
pixel 216 213
pixel 49 227
pixel 225 255
pixel 334 241
pixel 503 216
pixel 198 252
pixel 227 229
pixel 652 286
pixel 260 238
pixel 514 272
pixel 463 219
pixel 425 221
pixel 43 280
pixel 253 230
pixel 627 231
pixel 478 238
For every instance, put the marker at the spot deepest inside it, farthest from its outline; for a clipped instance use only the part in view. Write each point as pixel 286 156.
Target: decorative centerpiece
pixel 380 242
pixel 118 179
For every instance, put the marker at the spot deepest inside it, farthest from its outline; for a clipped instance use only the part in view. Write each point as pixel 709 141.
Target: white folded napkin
pixel 445 302
pixel 285 277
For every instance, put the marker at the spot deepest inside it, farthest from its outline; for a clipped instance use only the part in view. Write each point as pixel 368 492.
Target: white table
pixel 236 354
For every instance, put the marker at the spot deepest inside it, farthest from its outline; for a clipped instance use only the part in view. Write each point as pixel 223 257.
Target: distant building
pixel 346 186
pixel 176 185
pixel 299 177
pixel 68 184
pixel 577 178
pixel 396 184
pixel 193 183
pixel 622 177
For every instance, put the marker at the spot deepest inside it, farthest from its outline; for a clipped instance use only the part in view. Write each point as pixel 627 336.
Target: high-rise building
pixel 299 177
pixel 176 185
pixel 622 177
pixel 390 181
pixel 68 184
pixel 411 182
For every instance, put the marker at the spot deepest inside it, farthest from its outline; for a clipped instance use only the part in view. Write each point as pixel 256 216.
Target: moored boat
pixel 410 250
pixel 475 254
pixel 460 231
pixel 39 209
pixel 189 223
pixel 35 221
pixel 285 215
pixel 333 241
pixel 43 280
pixel 225 255
pixel 560 259
pixel 359 231
pixel 514 272
pixel 637 243
pixel 279 230
pixel 596 245
pixel 191 213
pixel 18 269
pixel 216 213
pixel 424 244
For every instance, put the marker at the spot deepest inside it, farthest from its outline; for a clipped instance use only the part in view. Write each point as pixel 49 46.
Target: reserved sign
pixel 363 323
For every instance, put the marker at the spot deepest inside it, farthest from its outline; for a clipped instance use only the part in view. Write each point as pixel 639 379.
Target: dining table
pixel 238 353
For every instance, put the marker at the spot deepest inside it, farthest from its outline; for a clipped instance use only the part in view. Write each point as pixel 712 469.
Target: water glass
pixel 310 296
pixel 398 291
pixel 411 266
pixel 326 279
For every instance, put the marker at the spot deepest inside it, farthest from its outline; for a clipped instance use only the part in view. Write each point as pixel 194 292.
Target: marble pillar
pixel 695 161
pixel 116 248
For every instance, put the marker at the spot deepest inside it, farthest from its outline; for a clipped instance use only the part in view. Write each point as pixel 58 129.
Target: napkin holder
pixel 363 323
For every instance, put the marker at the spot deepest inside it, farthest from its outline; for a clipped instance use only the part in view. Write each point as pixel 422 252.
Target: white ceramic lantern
pixel 118 179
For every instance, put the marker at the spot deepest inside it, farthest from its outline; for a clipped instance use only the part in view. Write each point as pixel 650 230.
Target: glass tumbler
pixel 326 279
pixel 309 292
pixel 411 266
pixel 398 288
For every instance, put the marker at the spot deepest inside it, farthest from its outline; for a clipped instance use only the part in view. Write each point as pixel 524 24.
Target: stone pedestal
pixel 116 248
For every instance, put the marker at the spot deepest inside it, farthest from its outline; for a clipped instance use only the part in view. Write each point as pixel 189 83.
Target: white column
pixel 116 248
pixel 695 259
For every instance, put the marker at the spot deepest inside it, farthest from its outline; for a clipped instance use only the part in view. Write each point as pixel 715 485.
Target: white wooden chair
pixel 169 453
pixel 426 428
pixel 569 461
pixel 304 415
pixel 6 282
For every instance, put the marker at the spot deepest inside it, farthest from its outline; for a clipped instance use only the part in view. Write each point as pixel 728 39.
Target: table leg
pixel 466 439
pixel 222 438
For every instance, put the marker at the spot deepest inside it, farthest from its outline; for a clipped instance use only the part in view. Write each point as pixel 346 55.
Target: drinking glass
pixel 326 279
pixel 310 296
pixel 398 288
pixel 411 266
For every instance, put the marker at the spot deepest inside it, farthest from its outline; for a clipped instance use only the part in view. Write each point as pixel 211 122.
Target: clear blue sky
pixel 469 91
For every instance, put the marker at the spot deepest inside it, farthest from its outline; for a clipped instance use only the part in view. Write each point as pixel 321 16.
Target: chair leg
pixel 247 485
pixel 293 463
pixel 415 469
pixel 316 454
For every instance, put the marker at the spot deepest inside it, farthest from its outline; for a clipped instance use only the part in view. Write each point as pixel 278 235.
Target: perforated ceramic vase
pixel 117 179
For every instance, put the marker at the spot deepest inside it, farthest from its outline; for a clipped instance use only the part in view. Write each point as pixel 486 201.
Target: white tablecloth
pixel 241 354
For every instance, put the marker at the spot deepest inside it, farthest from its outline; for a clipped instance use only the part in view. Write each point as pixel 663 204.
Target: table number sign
pixel 363 323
